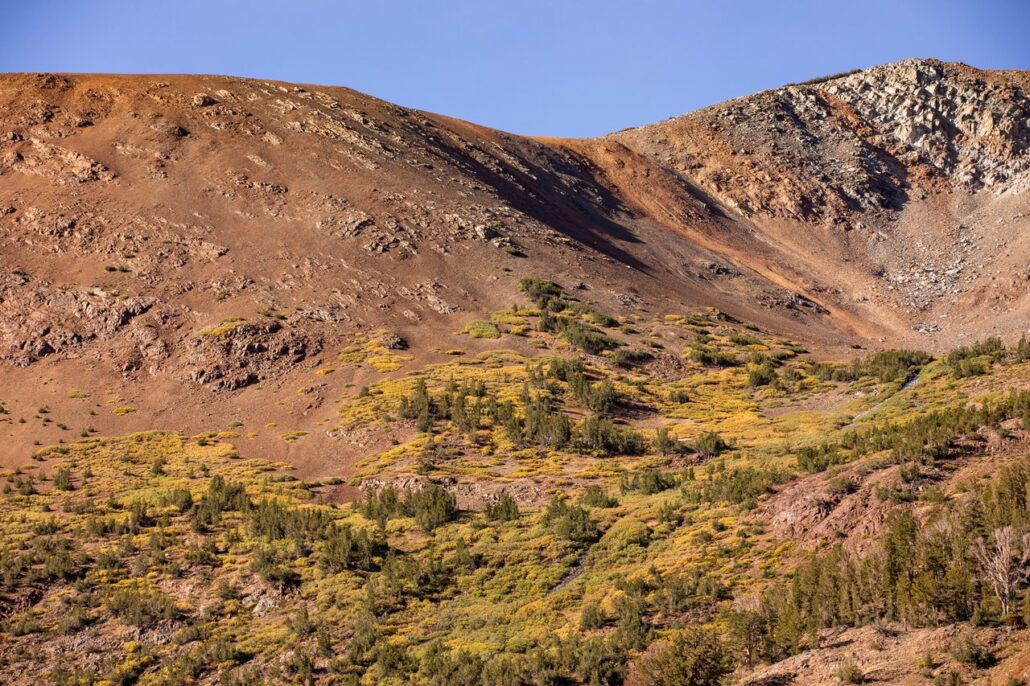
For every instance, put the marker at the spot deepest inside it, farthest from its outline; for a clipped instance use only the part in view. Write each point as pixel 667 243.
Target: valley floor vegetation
pixel 604 512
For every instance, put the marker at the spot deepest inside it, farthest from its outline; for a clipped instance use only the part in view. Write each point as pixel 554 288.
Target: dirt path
pixel 573 572
pixel 912 381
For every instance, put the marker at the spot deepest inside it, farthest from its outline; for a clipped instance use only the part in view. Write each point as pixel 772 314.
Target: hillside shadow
pixel 553 189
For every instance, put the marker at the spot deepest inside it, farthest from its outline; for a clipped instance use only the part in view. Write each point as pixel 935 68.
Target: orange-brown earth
pixel 185 252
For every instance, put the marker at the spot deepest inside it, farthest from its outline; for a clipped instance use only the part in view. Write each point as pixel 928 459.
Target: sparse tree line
pixel 560 313
pixel 968 562
pixel 887 366
pixel 976 359
pixel 931 436
pixel 537 419
pixel 721 484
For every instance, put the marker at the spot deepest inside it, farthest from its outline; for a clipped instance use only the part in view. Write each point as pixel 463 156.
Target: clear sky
pixel 572 68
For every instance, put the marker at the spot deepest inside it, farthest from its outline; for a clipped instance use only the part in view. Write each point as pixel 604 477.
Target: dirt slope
pixel 898 194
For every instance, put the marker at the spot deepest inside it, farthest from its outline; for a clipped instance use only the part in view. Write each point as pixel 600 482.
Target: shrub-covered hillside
pixel 677 500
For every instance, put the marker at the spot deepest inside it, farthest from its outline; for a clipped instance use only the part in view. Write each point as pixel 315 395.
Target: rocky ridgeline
pixel 974 130
pixel 867 142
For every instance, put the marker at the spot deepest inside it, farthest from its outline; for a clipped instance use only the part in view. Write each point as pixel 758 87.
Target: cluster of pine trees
pixel 564 314
pixel 431 506
pixel 536 419
pixel 887 366
pixel 969 562
pixel 976 359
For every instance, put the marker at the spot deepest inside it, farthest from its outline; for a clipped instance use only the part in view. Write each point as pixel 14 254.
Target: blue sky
pixel 572 68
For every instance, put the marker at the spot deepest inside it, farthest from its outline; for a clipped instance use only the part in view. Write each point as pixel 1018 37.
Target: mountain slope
pixel 893 187
pixel 171 240
pixel 304 387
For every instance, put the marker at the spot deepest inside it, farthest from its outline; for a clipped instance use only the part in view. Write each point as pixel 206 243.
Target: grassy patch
pixel 481 329
pixel 225 327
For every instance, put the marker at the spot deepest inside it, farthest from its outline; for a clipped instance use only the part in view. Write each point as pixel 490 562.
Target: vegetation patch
pixel 225 327
pixel 481 329
pixel 565 517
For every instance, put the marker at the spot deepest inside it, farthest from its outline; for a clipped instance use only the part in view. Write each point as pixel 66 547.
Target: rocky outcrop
pixel 973 130
pixel 832 149
pixel 41 158
pixel 244 354
pixel 41 319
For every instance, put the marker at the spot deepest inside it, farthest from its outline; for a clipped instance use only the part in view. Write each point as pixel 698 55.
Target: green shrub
pixel 849 673
pixel 601 436
pixel 710 444
pixel 431 506
pixel 63 479
pixel 24 624
pixel 713 358
pixel 547 295
pixel 595 496
pixel 841 485
pixel 599 397
pixel 694 656
pixel 591 617
pixel 563 369
pixel 663 442
pixel 482 329
pixel 346 548
pixel 627 357
pixel 975 367
pixel 820 458
pixel 761 375
pixel 739 486
pixel 587 339
pixel 679 396
pixel 570 522
pixel 504 509
pixel 141 605
pixel 273 568
pixel 740 338
pixel 975 359
pixel 626 533
pixel 969 652
pixel 1022 350
pixel 893 365
pixel 647 482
